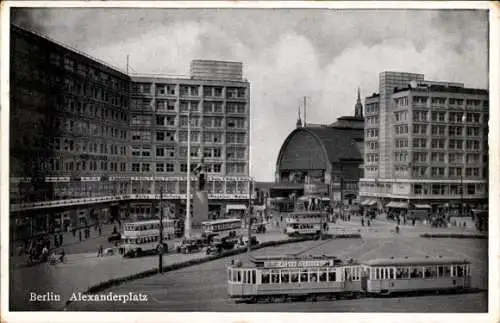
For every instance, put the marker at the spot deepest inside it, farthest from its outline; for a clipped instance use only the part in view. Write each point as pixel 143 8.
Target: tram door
pixel 364 278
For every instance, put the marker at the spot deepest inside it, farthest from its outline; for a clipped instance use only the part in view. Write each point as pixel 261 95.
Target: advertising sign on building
pixel 315 189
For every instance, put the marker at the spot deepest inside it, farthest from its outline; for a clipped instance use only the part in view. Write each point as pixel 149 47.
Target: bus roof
pixel 415 261
pixel 220 221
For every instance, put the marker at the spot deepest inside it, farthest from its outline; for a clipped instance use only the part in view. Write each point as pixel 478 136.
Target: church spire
pixel 358 108
pixel 299 121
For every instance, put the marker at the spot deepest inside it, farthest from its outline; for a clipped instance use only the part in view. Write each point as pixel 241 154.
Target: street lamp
pixel 250 189
pixel 464 119
pixel 187 222
pixel 160 248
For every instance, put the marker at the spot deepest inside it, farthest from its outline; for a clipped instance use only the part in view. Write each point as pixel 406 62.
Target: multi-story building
pixel 68 135
pixel 217 99
pixel 89 143
pixel 426 144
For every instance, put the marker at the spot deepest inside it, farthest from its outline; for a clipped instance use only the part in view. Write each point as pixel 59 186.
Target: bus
pixel 142 237
pixel 305 223
pixel 222 228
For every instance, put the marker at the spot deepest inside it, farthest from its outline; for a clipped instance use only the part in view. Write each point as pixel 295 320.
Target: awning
pixel 422 206
pixel 325 199
pixel 369 202
pixel 237 207
pixel 398 205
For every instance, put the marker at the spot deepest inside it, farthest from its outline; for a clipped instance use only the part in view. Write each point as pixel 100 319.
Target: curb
pixel 118 281
pixel 144 274
pixel 454 235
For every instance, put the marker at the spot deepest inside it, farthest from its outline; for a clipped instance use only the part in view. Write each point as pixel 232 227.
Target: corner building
pixel 426 145
pixel 89 143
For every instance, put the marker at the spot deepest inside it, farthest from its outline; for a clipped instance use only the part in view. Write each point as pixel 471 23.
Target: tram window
pixel 322 276
pixel 332 276
pixel 304 276
pixel 275 277
pixel 460 271
pixel 265 277
pixel 430 272
pixel 229 274
pixel 446 271
pixel 417 273
pixel 285 276
pixel 254 277
pixel 313 277
pixel 244 277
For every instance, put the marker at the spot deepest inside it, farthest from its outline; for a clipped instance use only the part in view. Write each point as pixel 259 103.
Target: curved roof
pixel 337 143
pixel 349 122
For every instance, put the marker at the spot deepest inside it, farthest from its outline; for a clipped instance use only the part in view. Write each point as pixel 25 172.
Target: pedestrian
pixel 60 239
pixel 80 234
pixel 362 222
pixel 100 231
pixel 99 251
pixel 61 255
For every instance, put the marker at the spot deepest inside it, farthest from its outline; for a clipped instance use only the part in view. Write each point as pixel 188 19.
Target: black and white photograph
pixel 233 158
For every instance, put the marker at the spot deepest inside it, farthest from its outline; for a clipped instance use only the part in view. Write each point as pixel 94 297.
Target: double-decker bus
pixel 142 237
pixel 305 223
pixel 222 228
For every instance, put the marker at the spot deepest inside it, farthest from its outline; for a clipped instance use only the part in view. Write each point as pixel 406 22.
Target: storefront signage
pixel 57 179
pixel 90 179
pixel 315 189
pixel 297 263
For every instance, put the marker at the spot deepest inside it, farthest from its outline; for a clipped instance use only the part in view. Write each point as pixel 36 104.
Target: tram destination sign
pixel 298 263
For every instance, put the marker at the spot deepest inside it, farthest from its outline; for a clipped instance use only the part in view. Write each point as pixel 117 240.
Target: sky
pixel 322 54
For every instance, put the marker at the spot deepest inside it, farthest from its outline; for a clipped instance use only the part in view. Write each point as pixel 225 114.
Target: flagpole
pixel 187 223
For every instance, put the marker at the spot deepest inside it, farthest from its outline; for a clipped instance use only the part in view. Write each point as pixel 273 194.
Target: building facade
pixel 425 144
pixel 322 160
pixel 91 143
pixel 217 99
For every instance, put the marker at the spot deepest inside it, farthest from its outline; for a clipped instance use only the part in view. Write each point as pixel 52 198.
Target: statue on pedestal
pixel 200 172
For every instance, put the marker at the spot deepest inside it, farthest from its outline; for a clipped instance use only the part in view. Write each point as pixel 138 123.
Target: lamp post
pixel 160 248
pixel 249 233
pixel 187 222
pixel 461 194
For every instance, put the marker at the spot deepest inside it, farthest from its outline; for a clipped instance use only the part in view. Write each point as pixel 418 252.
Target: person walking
pixel 80 234
pixel 100 251
pixel 100 231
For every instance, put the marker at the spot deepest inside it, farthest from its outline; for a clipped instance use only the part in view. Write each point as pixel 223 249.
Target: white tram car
pixel 288 278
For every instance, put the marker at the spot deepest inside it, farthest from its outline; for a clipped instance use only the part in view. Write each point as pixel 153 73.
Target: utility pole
pixel 250 188
pixel 462 194
pixel 160 249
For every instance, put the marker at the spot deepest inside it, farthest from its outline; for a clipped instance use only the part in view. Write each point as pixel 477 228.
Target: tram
pixel 304 223
pixel 312 277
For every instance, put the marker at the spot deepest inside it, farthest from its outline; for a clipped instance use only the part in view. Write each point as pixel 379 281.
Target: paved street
pixel 203 287
pixel 83 270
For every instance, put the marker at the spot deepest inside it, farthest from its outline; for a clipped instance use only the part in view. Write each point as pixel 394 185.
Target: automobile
pixel 259 228
pixel 190 246
pixel 115 237
pixel 244 242
pixel 140 252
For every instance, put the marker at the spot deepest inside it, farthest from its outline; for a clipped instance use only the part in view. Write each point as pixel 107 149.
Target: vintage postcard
pixel 249 161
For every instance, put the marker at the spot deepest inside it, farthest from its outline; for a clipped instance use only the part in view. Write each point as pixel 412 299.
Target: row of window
pixel 188 90
pixel 418 272
pixel 451 101
pixel 84 108
pixel 446 189
pixel 423 171
pixel 208 137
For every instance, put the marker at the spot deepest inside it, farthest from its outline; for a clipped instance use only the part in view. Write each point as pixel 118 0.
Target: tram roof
pixel 415 261
pixel 291 257
pixel 220 221
pixel 150 221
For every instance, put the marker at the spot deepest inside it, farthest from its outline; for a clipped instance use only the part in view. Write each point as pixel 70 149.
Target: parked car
pixel 259 228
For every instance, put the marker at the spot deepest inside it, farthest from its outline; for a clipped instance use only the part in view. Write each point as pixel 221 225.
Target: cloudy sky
pixel 287 53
